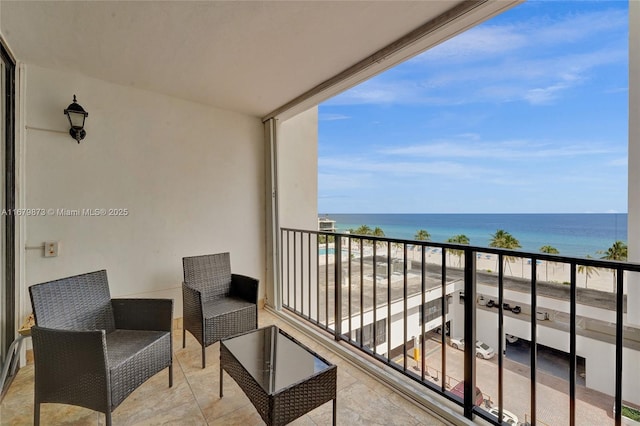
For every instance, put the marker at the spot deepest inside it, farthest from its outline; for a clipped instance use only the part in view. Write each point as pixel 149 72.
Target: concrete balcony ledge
pixel 431 403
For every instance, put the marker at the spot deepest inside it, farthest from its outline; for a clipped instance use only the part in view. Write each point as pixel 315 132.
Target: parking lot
pixel 552 396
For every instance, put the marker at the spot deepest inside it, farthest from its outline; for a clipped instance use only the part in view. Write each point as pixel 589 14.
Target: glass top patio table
pixel 275 359
pixel 282 378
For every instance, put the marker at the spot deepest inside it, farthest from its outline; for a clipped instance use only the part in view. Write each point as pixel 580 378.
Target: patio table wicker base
pixel 281 377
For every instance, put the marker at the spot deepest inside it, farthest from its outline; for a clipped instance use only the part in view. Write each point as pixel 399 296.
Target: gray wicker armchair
pixel 91 350
pixel 217 303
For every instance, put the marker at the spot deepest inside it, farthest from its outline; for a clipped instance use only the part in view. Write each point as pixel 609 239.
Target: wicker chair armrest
pixel 244 287
pixel 71 367
pixel 143 314
pixel 192 301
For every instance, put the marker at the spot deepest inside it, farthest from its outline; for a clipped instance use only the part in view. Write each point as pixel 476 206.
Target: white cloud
pixel 534 61
pixel 339 167
pixel 498 149
pixel 619 162
pixel 479 43
pixel 332 117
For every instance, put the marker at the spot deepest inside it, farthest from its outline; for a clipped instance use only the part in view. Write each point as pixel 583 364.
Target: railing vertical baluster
pixel 572 346
pixel 469 332
pixel 337 294
pixel 282 232
pixel 318 279
pixel 404 309
pixel 619 343
pixel 309 292
pixel 288 271
pixel 534 339
pixel 389 305
pixel 423 317
pixel 350 280
pixel 326 283
pixel 500 335
pixel 361 332
pixel 443 336
pixel 295 272
pixel 375 299
pixel 302 273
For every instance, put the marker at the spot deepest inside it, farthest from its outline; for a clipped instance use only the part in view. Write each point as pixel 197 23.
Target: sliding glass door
pixel 7 197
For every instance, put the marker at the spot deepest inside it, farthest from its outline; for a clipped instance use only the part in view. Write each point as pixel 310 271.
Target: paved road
pixel 592 408
pixel 549 360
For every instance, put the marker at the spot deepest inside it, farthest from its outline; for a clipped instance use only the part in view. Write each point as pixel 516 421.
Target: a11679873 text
pixel 66 212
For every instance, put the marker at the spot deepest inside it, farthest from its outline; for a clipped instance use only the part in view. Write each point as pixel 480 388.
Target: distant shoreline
pixel 573 234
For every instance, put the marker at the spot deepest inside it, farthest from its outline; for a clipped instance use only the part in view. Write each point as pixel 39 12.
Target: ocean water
pixel 572 234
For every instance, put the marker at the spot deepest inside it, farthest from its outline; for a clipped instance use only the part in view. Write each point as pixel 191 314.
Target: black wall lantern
pixel 76 115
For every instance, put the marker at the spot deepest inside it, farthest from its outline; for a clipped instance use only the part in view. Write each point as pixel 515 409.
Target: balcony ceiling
pixel 250 57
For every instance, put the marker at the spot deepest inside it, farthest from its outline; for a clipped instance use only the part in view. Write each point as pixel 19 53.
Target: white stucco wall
pixel 297 188
pixel 298 171
pixel 190 176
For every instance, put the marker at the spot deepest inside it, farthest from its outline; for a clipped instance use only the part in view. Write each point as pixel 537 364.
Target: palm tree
pixel 422 235
pixel 548 250
pixel 588 271
pixel 618 251
pixel 378 232
pixel 362 230
pixel 503 239
pixel 458 239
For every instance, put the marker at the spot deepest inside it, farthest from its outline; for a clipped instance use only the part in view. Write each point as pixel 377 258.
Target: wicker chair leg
pixel 203 358
pixel 171 375
pixel 107 418
pixel 184 338
pixel 36 413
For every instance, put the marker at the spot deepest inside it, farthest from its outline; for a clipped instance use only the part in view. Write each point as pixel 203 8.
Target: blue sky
pixel 526 113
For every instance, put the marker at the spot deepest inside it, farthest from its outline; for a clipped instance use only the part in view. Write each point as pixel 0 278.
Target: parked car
pixel 511 338
pixel 458 390
pixel 457 343
pixel 507 416
pixel 482 349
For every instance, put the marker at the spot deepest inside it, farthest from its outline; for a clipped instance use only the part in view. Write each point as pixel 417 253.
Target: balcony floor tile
pixel 194 400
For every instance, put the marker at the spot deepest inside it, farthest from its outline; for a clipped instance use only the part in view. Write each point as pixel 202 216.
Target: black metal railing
pixel 389 297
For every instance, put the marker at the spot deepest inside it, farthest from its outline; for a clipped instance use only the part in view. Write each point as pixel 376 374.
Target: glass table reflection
pixel 282 378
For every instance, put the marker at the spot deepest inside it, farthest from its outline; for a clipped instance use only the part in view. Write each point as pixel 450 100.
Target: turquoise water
pixel 572 234
pixel 322 251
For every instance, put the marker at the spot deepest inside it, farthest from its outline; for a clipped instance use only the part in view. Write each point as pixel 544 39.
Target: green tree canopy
pixel 588 271
pixel 503 239
pixel 422 235
pixel 548 250
pixel 618 251
pixel 378 232
pixel 458 239
pixel 363 230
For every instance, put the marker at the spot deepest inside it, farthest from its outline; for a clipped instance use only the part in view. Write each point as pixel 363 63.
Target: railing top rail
pixel 583 261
